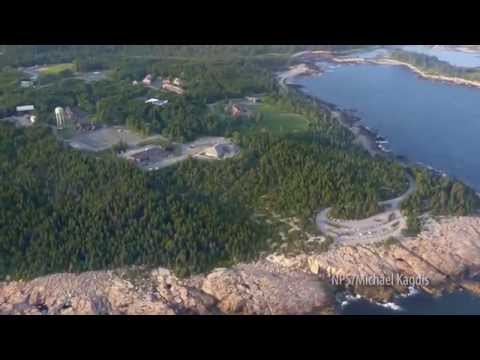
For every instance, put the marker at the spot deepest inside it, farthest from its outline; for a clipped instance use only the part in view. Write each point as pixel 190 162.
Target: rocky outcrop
pixel 266 288
pixel 447 251
pixel 86 293
pixel 258 288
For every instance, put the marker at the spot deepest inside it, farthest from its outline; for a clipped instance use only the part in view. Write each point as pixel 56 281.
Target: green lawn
pixel 273 119
pixel 55 69
pixel 279 122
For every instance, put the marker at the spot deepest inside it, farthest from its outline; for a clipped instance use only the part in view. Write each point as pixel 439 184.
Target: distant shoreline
pixel 421 73
pixel 364 136
pixel 331 57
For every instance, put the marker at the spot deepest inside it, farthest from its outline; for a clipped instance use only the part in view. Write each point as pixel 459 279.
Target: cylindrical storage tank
pixel 60 116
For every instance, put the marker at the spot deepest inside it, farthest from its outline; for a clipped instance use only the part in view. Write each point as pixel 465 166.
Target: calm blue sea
pixel 434 123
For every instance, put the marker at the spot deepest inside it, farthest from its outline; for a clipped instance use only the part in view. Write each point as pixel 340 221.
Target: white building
pixel 25 108
pixel 253 99
pixel 26 83
pixel 156 102
pixel 177 82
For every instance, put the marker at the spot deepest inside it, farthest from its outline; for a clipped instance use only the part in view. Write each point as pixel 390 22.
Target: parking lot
pixel 19 121
pixel 105 138
pixel 152 158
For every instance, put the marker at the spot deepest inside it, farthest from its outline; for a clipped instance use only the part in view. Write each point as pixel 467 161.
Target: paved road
pixel 394 204
pixel 372 229
pixel 192 149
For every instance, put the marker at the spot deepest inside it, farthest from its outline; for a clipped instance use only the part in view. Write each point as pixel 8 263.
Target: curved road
pixel 374 228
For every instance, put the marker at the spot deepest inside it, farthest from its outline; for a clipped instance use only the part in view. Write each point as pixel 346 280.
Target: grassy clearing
pixel 271 118
pixel 279 122
pixel 55 69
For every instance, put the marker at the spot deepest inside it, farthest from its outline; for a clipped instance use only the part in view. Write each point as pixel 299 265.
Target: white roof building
pixel 217 151
pixel 25 108
pixel 156 102
pixel 178 82
pixel 26 83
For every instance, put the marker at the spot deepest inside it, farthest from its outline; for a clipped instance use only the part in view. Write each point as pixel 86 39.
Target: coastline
pixel 447 254
pixel 460 281
pixel 276 285
pixel 364 136
pixel 369 139
pixel 285 78
pixel 394 62
pixel 422 74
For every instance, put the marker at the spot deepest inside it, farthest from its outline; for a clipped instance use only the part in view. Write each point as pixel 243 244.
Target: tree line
pixel 64 210
pixel 432 64
pixel 438 195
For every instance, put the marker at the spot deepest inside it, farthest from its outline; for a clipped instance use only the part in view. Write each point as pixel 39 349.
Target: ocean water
pixel 431 122
pixel 435 123
pixel 420 303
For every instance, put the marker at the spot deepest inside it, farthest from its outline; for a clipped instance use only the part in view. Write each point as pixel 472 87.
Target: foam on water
pixel 349 298
pixel 390 305
pixel 412 291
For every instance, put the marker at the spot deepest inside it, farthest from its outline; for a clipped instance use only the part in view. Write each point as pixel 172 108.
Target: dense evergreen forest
pixel 438 195
pixel 27 55
pixel 431 64
pixel 64 210
pixel 296 176
pixel 115 101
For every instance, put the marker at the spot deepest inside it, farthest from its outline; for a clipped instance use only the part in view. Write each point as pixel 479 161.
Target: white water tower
pixel 60 116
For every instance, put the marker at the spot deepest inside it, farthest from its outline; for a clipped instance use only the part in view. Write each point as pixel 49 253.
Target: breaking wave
pixel 348 299
pixel 412 291
pixel 390 305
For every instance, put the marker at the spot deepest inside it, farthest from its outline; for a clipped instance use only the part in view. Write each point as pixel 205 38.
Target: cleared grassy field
pixel 55 69
pixel 279 122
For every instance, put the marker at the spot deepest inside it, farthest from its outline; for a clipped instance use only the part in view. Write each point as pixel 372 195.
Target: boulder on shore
pixel 257 288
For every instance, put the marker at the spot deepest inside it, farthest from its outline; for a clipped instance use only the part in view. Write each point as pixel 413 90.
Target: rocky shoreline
pixel 285 77
pixel 260 288
pixel 446 255
pixel 460 278
pixel 365 137
pixel 422 74
pixel 333 58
